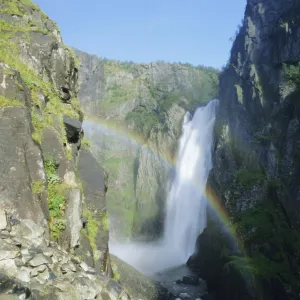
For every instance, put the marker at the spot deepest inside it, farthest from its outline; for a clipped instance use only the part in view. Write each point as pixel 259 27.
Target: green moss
pixel 20 87
pixel 85 143
pixel 105 222
pixel 4 102
pixel 116 274
pixel 37 187
pixel 76 105
pixel 92 228
pixel 69 153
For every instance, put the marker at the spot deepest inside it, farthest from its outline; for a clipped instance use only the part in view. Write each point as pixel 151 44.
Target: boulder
pixel 74 129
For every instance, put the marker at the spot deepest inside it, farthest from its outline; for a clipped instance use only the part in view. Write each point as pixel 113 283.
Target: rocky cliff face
pixel 51 187
pixel 139 109
pixel 256 159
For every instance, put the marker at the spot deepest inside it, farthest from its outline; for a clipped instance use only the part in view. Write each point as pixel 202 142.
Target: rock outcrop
pixel 33 268
pixel 256 160
pixel 136 111
pixel 45 187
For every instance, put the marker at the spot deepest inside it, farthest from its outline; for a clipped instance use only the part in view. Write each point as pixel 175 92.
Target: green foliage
pixel 37 187
pixel 74 57
pixel 259 265
pixel 56 198
pixel 248 178
pixel 145 120
pixel 50 166
pixel 38 87
pixel 4 102
pixel 291 74
pixel 273 245
pixel 201 88
pixel 39 122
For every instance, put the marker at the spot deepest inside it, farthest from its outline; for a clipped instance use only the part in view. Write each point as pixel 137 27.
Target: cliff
pixel 256 160
pixel 51 187
pixel 136 112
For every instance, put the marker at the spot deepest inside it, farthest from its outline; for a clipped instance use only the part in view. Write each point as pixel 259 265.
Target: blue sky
pixel 194 31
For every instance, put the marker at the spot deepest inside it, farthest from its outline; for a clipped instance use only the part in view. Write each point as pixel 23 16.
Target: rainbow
pixel 214 201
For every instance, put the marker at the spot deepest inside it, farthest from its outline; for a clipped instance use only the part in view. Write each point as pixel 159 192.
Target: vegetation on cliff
pixel 142 103
pixel 256 159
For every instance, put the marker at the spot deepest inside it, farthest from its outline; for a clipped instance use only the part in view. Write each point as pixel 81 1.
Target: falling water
pixel 186 203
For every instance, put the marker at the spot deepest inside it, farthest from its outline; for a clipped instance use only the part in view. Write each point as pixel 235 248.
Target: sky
pixel 193 31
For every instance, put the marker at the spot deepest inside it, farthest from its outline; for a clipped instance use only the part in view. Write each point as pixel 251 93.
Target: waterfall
pixel 186 203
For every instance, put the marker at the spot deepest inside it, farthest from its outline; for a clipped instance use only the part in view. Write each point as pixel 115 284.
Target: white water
pixel 186 203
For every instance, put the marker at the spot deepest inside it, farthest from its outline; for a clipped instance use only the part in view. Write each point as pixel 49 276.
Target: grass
pixel 56 198
pixel 105 222
pixel 92 228
pixel 41 115
pixel 38 87
pixel 4 102
pixel 37 187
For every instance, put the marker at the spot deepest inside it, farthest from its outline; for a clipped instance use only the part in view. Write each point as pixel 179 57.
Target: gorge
pixel 186 204
pixel 124 180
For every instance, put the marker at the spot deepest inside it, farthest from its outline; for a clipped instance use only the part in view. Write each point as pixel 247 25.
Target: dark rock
pixel 53 148
pixel 138 285
pixel 21 164
pixel 93 181
pixel 190 280
pixel 71 235
pixel 92 177
pixel 85 250
pixel 65 94
pixel 256 159
pixel 74 129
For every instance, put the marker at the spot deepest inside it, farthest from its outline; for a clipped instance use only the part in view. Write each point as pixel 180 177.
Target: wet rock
pixel 184 296
pixel 188 280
